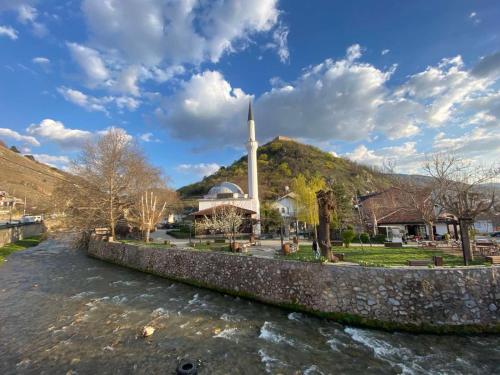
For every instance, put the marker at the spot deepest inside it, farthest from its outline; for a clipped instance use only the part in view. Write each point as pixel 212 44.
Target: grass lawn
pixel 8 249
pixel 196 245
pixel 383 256
pixel 150 244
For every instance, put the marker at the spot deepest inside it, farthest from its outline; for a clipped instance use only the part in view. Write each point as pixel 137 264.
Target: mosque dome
pixel 225 189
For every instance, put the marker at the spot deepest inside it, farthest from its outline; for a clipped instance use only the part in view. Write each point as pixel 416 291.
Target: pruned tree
pixel 146 213
pixel 225 219
pixel 307 205
pixel 458 186
pixel 326 206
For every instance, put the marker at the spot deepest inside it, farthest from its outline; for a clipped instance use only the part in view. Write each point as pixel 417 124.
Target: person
pixel 315 249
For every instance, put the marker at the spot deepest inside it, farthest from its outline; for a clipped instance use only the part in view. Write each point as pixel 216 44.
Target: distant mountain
pixel 280 160
pixel 23 176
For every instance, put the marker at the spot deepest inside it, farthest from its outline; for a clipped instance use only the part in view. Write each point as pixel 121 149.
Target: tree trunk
pixel 325 205
pixel 148 231
pixel 431 230
pixel 375 225
pixel 464 234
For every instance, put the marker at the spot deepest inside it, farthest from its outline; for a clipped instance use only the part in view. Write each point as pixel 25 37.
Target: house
pixel 287 205
pixel 383 213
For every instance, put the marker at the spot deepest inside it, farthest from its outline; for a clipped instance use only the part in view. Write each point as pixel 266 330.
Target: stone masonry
pixel 418 299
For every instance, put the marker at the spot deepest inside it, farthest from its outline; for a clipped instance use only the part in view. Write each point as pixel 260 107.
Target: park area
pixel 370 256
pixel 384 256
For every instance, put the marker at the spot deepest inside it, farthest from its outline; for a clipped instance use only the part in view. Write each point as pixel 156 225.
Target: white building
pixel 228 193
pixel 287 205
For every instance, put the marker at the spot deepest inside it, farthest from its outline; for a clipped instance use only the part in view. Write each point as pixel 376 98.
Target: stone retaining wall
pixel 19 232
pixel 413 299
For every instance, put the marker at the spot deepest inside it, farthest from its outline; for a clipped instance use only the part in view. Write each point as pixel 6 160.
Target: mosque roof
pixel 224 188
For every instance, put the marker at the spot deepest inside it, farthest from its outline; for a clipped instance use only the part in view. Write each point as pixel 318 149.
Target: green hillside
pixel 280 160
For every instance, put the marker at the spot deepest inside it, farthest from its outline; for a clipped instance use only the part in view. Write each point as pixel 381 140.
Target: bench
pixel 419 262
pixel 493 259
pixel 393 244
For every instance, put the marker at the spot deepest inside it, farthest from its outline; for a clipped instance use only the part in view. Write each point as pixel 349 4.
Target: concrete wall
pixel 13 234
pixel 416 299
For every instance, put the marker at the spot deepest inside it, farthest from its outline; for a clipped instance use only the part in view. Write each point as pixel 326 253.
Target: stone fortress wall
pixel 414 299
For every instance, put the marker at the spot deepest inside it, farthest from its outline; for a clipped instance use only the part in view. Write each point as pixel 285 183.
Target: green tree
pixel 343 210
pixel 348 236
pixel 270 217
pixel 307 205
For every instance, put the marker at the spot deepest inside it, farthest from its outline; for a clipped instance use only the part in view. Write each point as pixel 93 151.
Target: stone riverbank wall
pixel 414 299
pixel 19 232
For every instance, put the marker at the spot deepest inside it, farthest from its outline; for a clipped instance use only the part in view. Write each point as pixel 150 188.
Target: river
pixel 64 313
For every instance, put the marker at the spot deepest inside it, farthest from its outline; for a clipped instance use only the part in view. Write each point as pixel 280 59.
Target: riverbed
pixel 63 312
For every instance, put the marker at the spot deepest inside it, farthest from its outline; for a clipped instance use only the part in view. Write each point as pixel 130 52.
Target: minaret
pixel 253 182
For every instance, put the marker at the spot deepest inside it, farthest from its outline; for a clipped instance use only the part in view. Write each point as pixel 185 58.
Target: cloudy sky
pixel 367 80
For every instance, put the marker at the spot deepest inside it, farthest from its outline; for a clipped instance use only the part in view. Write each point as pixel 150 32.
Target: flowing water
pixel 64 313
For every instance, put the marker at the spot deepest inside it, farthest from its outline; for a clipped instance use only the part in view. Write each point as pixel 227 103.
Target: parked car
pixel 495 234
pixel 28 219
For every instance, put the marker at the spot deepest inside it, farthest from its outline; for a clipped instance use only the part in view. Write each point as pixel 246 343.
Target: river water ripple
pixel 64 313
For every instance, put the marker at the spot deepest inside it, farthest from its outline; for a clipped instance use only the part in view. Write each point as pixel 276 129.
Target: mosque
pixel 227 193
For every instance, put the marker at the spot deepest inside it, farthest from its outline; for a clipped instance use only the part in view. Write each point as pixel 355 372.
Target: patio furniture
pixel 494 259
pixel 418 262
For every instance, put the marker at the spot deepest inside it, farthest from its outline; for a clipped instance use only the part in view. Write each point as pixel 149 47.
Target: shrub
pixel 379 238
pixel 348 236
pixel 364 237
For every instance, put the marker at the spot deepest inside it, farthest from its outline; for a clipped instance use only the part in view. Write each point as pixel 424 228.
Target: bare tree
pixel 147 213
pixel 459 189
pixel 226 219
pixel 109 175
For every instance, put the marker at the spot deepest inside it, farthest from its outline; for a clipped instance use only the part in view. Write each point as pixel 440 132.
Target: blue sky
pixel 370 81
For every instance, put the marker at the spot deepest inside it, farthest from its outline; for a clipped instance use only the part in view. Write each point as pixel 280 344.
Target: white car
pixel 27 219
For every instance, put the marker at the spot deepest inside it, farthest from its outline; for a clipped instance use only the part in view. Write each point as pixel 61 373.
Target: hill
pixel 21 177
pixel 282 159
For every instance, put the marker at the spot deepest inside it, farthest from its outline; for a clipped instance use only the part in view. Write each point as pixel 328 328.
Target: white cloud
pixel 206 107
pixel 55 131
pixel 199 170
pixel 176 32
pixel 125 102
pixel 95 104
pixel 61 162
pixel 90 103
pixel 66 138
pixel 148 137
pixel 90 62
pixel 127 81
pixel 9 133
pixel 336 99
pixel 342 100
pixel 353 52
pixel 9 32
pixel 479 143
pixel 280 43
pixel 41 61
pixel 405 157
pixel 27 13
pixel 385 52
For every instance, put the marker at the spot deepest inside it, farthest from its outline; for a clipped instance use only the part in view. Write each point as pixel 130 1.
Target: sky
pixel 372 81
